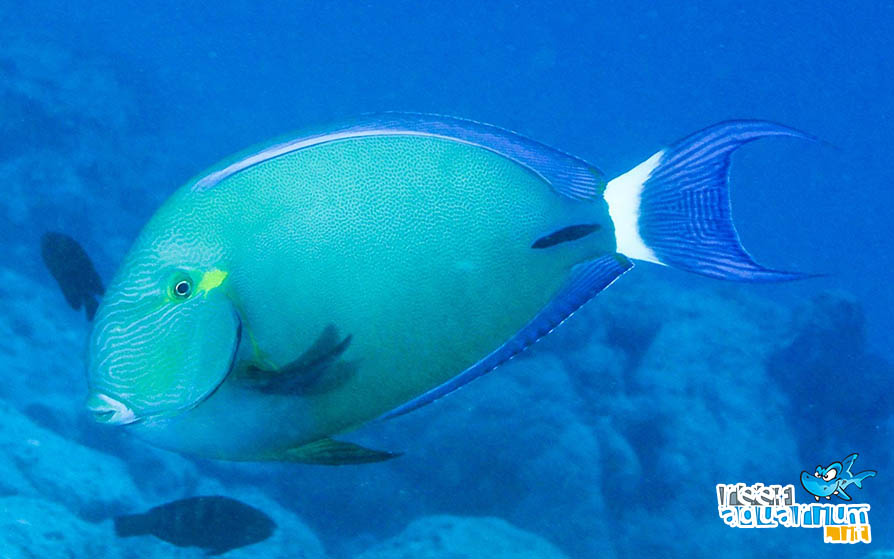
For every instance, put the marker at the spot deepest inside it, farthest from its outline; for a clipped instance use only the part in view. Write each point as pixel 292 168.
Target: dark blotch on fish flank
pixel 566 234
pixel 215 524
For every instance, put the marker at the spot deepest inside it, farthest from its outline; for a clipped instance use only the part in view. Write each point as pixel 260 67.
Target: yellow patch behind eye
pixel 211 280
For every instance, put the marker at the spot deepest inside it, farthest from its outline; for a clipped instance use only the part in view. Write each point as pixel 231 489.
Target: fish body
pixel 370 270
pixel 216 524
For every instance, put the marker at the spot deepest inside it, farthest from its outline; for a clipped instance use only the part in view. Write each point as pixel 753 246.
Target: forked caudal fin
pixel 674 208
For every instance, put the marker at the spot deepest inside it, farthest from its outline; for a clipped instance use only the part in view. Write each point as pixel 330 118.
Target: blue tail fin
pixel 674 208
pixel 858 479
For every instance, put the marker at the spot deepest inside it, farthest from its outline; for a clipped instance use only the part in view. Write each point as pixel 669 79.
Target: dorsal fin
pixel 566 174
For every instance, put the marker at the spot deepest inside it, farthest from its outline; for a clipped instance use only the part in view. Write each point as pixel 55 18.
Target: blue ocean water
pixel 610 437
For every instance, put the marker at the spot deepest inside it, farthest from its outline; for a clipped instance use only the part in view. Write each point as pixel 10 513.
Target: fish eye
pixel 830 475
pixel 182 288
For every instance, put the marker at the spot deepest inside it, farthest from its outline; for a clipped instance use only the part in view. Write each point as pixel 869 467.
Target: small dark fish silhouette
pixel 73 270
pixel 215 524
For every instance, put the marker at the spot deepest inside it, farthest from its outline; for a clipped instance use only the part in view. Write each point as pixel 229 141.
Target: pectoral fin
pixel 330 452
pixel 318 370
pixel 843 495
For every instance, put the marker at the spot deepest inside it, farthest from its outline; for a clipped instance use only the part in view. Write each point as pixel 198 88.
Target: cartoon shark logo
pixel 834 479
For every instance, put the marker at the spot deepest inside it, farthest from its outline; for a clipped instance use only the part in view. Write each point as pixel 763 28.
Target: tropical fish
pixel 834 479
pixel 300 290
pixel 73 270
pixel 215 524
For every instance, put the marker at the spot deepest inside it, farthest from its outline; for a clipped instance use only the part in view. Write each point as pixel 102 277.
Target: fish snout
pixel 108 410
pixel 815 485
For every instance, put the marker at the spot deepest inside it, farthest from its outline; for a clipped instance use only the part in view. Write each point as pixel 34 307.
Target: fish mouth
pixel 110 411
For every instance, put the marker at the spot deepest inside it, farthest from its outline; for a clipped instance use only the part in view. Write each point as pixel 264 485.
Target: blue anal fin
pixel 585 282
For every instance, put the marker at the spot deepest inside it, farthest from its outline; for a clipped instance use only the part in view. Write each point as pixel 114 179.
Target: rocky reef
pixel 435 537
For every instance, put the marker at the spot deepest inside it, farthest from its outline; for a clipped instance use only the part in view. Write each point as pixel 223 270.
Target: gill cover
pixel 164 340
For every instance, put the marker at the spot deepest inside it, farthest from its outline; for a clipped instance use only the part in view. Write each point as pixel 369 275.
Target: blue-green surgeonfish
pixel 300 290
pixel 834 479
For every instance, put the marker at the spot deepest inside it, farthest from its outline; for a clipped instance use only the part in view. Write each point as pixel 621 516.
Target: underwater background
pixel 605 440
